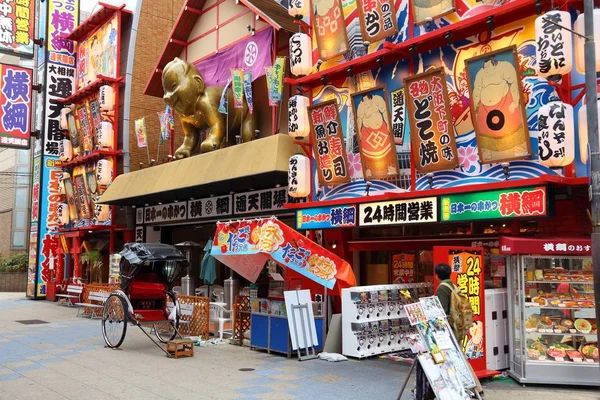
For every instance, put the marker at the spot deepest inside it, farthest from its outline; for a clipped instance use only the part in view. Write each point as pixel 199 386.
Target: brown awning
pixel 259 164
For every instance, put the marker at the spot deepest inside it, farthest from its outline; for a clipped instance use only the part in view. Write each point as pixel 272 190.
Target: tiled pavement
pixel 66 359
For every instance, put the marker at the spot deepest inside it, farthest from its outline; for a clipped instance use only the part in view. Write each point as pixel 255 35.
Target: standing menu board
pixel 440 355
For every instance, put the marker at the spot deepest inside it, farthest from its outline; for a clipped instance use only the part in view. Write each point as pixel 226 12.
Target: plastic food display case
pixel 552 318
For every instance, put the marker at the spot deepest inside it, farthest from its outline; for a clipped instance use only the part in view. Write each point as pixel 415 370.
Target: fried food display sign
pixel 246 245
pixel 432 130
pixel 328 143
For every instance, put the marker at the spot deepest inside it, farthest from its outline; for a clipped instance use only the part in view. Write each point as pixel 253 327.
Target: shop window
pixel 18 239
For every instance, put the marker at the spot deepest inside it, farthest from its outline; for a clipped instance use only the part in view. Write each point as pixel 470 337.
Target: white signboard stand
pixel 301 323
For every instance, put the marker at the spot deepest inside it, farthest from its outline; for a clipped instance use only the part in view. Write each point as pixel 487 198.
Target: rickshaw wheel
pixel 114 321
pixel 166 331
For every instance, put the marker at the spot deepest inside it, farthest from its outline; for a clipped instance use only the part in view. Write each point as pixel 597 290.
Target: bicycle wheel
pixel 166 331
pixel 114 321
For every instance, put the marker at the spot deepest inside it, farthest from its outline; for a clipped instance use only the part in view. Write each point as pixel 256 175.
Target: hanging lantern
pixel 104 172
pixel 101 212
pixel 62 214
pixel 583 131
pixel 300 54
pixel 298 124
pixel 65 150
pixel 299 176
pixel 556 134
pixel 105 135
pixel 580 41
pixel 106 98
pixel 64 124
pixel 299 8
pixel 61 184
pixel 553 44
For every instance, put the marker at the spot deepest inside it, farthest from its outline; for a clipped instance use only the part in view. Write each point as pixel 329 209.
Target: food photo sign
pixel 245 246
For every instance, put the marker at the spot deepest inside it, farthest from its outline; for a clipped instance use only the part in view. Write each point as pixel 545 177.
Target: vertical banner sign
pixel 431 125
pixel 17 26
pixel 223 103
pixel 61 20
pixel 270 76
pixel 248 90
pixel 330 28
pixel 163 126
pixel 15 106
pixel 328 143
pixel 140 132
pixel 279 70
pixel 237 85
pixel 34 220
pixel 398 116
pixel 467 275
pixel 170 122
pixel 377 19
pixel 497 107
pixel 375 141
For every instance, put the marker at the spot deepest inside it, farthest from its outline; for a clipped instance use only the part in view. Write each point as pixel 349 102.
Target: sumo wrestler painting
pixel 330 28
pixel 427 10
pixel 497 107
pixel 374 131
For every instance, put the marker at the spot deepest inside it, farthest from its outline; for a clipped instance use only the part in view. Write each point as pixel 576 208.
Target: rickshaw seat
pixel 142 289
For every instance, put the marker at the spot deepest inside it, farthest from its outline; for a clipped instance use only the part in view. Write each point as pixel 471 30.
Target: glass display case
pixel 553 320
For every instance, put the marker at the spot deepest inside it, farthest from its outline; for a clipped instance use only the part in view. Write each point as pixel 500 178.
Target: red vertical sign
pixel 466 264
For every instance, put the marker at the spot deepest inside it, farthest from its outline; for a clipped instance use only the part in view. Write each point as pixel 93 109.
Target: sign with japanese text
pixel 246 245
pixel 211 207
pixel 508 203
pixel 63 16
pixel 17 28
pixel 15 106
pixel 554 43
pixel 61 20
pixel 328 143
pixel 260 201
pixel 248 90
pixel 403 268
pixel 373 129
pixel 97 54
pixel 139 234
pixel 165 213
pixel 467 275
pixel 546 246
pixel 377 19
pixel 556 134
pixel 326 217
pixel 395 212
pixel 398 116
pixel 330 28
pixel 237 87
pixel 431 124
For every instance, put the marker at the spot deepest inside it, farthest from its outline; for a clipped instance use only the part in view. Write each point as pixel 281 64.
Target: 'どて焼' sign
pixel 15 106
pixel 17 26
pixel 431 125
pixel 328 143
pixel 398 212
pixel 509 203
pixel 326 217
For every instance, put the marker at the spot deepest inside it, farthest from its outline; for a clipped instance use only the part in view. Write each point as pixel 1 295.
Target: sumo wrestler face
pixel 182 85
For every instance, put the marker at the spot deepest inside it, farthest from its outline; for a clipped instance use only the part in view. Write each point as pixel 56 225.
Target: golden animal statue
pixel 197 106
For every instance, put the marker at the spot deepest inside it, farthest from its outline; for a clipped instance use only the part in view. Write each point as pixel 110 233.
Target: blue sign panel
pixel 326 217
